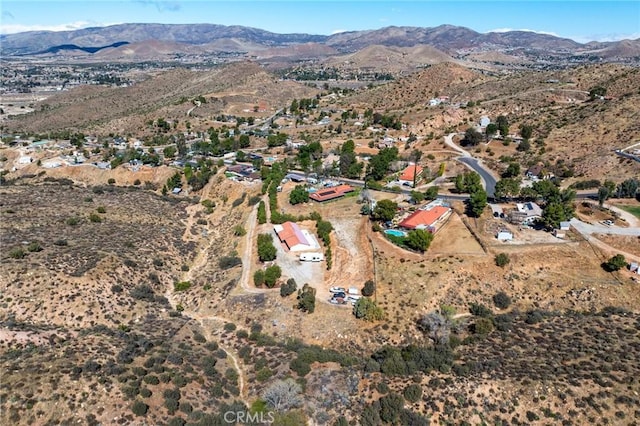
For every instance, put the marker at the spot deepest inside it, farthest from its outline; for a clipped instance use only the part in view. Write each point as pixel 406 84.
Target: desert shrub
pixel 111 181
pixel 483 326
pixel 171 405
pixel 139 408
pixel 229 326
pixel 73 221
pixel 228 262
pixel 531 416
pixel 383 388
pixel 142 292
pixel 101 209
pixel 116 288
pixel 182 286
pixel 239 231
pixel 95 218
pixel 145 393
pixel 412 393
pixel 368 310
pixel 479 310
pixel 534 317
pixel 369 288
pixel 264 374
pixel 151 379
pixel 300 367
pixel 501 300
pixel 258 278
pixel 185 407
pixel 503 322
pixel 288 288
pixel 502 259
pixel 17 253
pixel 60 243
pixel 34 247
pixel 391 406
pixel 130 263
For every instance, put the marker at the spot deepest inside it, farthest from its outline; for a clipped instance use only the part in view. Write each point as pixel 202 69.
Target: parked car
pixel 337 290
pixel 353 299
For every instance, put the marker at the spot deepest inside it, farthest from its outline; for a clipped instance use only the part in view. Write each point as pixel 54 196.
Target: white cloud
pixel 20 28
pixel 606 37
pixel 506 30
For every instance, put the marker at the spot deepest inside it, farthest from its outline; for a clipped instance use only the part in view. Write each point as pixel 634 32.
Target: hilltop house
pixel 295 238
pixel 428 217
pixel 526 213
pixel 331 193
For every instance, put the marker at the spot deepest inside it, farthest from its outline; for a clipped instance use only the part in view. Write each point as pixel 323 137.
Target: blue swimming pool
pixel 395 233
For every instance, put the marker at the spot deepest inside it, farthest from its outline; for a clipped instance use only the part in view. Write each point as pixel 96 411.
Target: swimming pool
pixel 395 233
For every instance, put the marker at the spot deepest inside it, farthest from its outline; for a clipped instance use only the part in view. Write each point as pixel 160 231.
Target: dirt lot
pixel 626 243
pixel 455 238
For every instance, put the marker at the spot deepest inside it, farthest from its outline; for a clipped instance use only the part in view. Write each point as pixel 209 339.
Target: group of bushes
pixel 269 277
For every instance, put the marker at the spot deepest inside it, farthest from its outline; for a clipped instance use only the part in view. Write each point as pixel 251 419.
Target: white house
pixel 530 212
pixel 504 235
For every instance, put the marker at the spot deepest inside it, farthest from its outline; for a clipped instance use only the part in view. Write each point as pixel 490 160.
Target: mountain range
pixel 454 41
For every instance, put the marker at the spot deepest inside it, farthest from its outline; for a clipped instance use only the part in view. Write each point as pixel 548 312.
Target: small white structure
pixel 353 291
pixel 484 121
pixel 559 233
pixel 25 159
pixel 311 257
pixel 634 267
pixel 504 235
pixel 564 226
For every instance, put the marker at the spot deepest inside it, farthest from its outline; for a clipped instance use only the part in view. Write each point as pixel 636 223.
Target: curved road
pixel 475 164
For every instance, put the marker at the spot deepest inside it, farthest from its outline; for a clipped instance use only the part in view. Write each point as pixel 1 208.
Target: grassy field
pixel 634 210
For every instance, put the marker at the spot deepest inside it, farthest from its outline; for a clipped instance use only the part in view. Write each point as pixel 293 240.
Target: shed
pixel 559 233
pixel 176 190
pixel 504 235
pixel 564 226
pixel 634 267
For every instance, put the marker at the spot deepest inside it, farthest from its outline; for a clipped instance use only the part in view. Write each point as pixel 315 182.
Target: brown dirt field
pixel 455 238
pixel 626 243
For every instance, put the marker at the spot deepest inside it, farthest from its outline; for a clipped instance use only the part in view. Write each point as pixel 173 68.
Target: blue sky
pixel 580 20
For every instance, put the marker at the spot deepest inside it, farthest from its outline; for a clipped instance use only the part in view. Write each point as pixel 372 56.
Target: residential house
pixel 526 213
pixel 535 172
pixel 484 121
pixel 331 193
pixel 295 238
pixel 426 219
pixel 412 173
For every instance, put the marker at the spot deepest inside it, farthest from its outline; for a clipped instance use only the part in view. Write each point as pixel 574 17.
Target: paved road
pixel 487 178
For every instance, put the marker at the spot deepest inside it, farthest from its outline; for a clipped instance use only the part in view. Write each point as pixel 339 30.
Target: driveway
pixel 588 229
pixel 303 272
pixel 475 164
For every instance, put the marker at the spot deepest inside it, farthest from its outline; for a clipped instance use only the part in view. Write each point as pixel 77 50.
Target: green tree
pixel 368 310
pixel 628 188
pixel 491 130
pixel 431 193
pixel 556 212
pixel 603 195
pixel 169 151
pixel 288 288
pixel 616 263
pixel 417 196
pixel 472 137
pixel 419 240
pixel 391 407
pixel 266 249
pixel 526 131
pixel 369 288
pixel 262 213
pixel 468 182
pixel 503 125
pixel 477 202
pixel 524 146
pixel 513 170
pixel 379 163
pixel 271 275
pixel 258 278
pixel 507 188
pixel 501 299
pixel 298 195
pixel 412 393
pixel 307 299
pixel 385 210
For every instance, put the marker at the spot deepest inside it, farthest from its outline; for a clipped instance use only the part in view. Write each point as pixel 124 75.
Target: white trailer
pixel 311 257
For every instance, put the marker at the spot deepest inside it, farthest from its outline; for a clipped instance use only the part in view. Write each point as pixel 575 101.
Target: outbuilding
pixel 504 235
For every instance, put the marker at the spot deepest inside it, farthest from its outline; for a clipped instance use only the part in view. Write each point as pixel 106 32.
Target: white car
pixel 337 290
pixel 353 299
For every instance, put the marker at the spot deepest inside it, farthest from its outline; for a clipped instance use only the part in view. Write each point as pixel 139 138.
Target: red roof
pixel 409 172
pixel 330 193
pixel 291 235
pixel 424 218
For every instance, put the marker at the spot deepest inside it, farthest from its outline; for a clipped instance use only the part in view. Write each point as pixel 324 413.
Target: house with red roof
pixel 295 238
pixel 411 173
pixel 331 193
pixel 426 219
